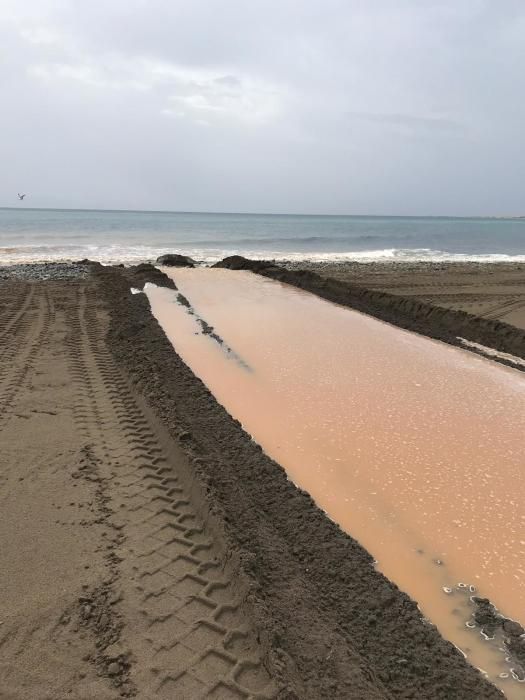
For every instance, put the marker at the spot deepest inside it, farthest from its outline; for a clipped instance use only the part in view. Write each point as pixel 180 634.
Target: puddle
pixel 414 447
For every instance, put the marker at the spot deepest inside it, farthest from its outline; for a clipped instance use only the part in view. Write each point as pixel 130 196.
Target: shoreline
pixel 329 625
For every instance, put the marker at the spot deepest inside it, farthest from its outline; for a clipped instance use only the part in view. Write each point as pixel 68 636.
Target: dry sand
pixel 491 291
pixel 149 548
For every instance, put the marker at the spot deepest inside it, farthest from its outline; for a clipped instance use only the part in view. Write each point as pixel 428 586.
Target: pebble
pixel 113 668
pixel 115 597
pixel 43 271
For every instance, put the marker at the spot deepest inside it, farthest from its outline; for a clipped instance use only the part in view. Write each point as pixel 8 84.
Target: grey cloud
pixel 395 106
pixel 413 123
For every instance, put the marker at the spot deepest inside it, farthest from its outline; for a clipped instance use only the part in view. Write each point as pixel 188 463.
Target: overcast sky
pixel 329 106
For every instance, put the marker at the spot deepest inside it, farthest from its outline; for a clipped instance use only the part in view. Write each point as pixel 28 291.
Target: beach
pixel 152 548
pixel 262 351
pixel 492 291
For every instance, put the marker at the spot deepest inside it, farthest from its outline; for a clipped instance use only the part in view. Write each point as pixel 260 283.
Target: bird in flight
pixel 20 196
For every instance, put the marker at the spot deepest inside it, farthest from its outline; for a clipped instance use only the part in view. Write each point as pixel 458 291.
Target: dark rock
pixel 237 262
pixel 182 300
pixel 175 260
pixel 514 629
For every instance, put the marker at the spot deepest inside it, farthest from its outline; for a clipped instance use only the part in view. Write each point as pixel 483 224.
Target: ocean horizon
pixel 132 236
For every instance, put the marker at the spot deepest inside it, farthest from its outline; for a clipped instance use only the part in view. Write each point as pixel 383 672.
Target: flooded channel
pixel 413 447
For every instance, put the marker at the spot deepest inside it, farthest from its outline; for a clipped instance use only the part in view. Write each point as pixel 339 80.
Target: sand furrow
pixel 335 627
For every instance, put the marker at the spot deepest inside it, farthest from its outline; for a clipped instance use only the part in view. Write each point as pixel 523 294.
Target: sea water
pixel 28 235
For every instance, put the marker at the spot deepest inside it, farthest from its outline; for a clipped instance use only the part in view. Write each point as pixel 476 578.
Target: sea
pixel 35 235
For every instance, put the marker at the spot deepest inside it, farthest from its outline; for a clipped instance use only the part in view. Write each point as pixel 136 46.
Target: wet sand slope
pixel 114 580
pixel 332 626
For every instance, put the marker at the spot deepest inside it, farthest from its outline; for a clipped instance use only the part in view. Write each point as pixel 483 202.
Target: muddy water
pixel 414 447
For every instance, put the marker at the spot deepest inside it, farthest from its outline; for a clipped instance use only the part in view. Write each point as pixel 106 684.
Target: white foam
pixel 111 254
pixel 491 352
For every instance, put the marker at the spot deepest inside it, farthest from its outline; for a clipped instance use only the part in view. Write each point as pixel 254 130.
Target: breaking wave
pixel 109 254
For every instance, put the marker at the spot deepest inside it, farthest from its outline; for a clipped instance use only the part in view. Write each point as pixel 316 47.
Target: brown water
pixel 414 447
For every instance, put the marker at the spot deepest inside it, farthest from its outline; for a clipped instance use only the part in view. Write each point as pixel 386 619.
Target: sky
pixel 308 106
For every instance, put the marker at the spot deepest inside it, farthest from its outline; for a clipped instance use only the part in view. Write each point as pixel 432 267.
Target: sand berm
pixel 335 626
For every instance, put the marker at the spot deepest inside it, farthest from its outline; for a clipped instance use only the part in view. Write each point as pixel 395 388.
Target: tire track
pixel 181 610
pixel 28 333
pixel 502 309
pixel 15 324
pixel 15 313
pixel 47 555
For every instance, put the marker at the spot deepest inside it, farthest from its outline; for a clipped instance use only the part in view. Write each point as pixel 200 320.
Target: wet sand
pixel 398 438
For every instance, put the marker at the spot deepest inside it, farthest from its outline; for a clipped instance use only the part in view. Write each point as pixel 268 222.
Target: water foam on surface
pixel 491 352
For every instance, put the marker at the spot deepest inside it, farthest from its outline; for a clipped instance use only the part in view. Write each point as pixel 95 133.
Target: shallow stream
pixel 414 447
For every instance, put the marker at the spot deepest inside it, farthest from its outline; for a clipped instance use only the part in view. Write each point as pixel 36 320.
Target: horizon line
pixel 252 213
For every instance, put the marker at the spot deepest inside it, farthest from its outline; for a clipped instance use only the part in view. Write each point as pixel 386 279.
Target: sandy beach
pixel 492 291
pixel 152 550
pixel 262 351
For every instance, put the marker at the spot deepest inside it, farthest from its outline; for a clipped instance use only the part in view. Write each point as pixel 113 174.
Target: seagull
pixel 20 196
